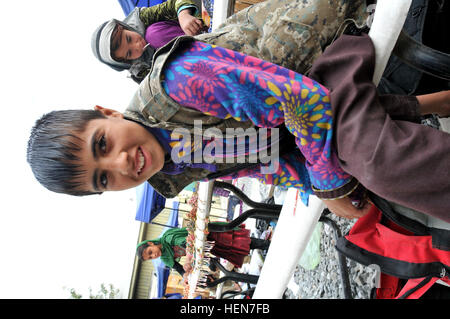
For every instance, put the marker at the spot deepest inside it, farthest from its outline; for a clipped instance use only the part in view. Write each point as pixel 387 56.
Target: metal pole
pixel 155 223
pixel 346 287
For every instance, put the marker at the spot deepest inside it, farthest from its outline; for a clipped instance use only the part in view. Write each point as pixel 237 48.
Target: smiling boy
pixel 224 89
pixel 128 157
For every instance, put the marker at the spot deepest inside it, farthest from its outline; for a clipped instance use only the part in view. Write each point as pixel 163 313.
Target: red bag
pixel 402 248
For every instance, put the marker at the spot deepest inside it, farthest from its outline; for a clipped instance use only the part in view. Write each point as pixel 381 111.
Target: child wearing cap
pixel 119 44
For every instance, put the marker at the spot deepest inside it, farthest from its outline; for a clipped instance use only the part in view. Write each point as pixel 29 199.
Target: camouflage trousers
pixel 290 33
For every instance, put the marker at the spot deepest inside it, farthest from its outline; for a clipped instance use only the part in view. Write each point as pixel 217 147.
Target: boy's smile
pixel 117 154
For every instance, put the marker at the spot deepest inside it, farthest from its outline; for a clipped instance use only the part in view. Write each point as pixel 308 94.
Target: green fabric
pixel 164 11
pixel 172 237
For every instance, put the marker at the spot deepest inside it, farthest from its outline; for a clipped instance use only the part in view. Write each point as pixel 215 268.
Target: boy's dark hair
pixel 52 147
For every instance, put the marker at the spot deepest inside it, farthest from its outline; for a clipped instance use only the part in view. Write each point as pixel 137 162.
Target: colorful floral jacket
pixel 152 106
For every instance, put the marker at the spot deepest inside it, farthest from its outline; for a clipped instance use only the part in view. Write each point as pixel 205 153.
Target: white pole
pixel 293 232
pixel 205 191
pixel 219 12
pixel 390 16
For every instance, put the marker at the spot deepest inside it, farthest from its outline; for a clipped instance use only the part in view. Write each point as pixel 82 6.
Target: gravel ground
pixel 324 281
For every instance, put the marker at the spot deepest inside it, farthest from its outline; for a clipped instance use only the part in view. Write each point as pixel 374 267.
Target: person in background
pixel 232 245
pixel 121 44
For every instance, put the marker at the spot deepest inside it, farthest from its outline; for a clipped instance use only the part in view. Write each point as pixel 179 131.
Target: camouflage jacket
pixel 289 33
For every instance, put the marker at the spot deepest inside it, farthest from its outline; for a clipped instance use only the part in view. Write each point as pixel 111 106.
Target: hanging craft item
pixel 198 248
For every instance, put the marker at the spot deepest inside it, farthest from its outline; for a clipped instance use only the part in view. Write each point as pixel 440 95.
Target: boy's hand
pixel 187 267
pixel 343 207
pixel 190 24
pixel 438 103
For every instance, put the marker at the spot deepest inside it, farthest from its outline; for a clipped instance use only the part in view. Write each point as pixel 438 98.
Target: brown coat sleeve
pixel 352 67
pixel 401 161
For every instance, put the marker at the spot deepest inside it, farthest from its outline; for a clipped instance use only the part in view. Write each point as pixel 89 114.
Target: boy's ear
pixel 108 112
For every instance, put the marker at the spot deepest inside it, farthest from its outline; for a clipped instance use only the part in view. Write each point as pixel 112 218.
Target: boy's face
pixel 117 154
pixel 131 45
pixel 152 251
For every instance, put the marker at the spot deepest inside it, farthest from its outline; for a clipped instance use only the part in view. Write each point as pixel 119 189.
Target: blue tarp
pixel 149 203
pixel 129 5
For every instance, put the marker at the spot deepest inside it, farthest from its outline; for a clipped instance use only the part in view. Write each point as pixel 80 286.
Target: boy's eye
pixel 102 144
pixel 104 181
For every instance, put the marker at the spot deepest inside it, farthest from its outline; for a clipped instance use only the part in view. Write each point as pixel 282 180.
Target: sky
pixel 50 242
